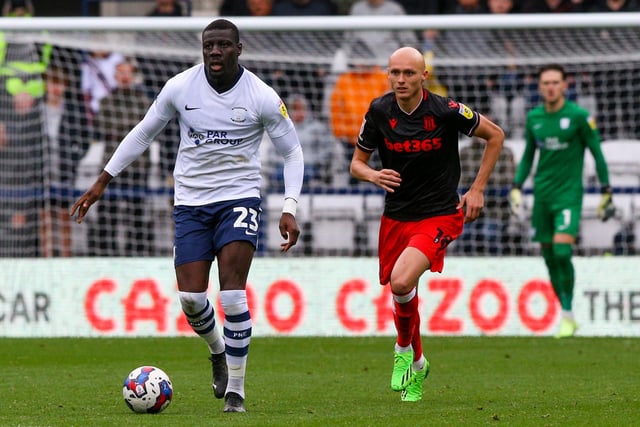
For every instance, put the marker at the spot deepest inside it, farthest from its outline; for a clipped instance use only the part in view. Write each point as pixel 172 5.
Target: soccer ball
pixel 147 389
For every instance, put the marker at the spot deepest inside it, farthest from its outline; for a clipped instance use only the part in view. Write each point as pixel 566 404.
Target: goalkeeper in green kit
pixel 561 131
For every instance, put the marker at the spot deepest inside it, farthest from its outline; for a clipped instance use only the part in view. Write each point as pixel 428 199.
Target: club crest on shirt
pixel 564 123
pixel 429 123
pixel 283 110
pixel 465 111
pixel 238 114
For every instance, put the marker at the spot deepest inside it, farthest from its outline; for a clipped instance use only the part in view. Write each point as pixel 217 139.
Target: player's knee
pixel 562 252
pixel 192 302
pixel 400 285
pixel 234 302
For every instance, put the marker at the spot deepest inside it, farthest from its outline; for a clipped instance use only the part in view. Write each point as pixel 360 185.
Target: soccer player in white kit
pixel 223 110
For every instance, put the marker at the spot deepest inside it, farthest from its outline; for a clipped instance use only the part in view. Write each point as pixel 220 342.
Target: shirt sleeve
pixel 591 137
pixel 465 119
pixel 288 146
pixel 524 167
pixel 369 133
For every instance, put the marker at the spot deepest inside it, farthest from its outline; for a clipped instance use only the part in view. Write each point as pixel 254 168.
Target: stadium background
pixel 497 287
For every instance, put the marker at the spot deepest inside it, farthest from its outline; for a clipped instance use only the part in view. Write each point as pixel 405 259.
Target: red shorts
pixel 431 236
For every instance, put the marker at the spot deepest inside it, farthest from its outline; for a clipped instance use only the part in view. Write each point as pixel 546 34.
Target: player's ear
pixel 239 47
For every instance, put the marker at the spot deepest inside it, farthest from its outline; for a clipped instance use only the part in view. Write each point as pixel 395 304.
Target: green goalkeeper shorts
pixel 548 219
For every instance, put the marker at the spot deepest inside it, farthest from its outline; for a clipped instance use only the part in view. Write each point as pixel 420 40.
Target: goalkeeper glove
pixel 606 208
pixel 515 200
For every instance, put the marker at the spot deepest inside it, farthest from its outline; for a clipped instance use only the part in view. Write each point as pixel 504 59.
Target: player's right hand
pixel 387 179
pixel 515 200
pixel 82 205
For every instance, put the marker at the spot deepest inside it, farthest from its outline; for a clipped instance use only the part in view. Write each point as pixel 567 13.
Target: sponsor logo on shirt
pixel 213 137
pixel 414 145
pixel 554 144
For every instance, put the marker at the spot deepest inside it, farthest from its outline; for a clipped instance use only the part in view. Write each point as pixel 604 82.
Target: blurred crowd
pixel 417 7
pixel 59 104
pixel 313 7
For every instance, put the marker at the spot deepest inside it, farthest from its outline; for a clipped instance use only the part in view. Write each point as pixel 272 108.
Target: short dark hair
pixel 554 67
pixel 223 24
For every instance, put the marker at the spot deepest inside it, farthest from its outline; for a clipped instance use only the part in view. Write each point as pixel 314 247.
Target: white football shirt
pixel 220 135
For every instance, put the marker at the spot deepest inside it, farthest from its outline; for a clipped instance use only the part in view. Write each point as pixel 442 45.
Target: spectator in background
pixel 166 8
pixel 67 141
pixel 487 235
pixel 21 163
pixel 377 44
pixel 460 42
pixel 615 6
pixel 499 7
pixel 506 103
pixel 304 8
pixel 618 116
pixel 468 6
pixel 97 78
pixel 350 97
pixel 290 79
pixel 119 112
pixel 422 7
pixel 21 8
pixel 318 149
pixel 246 8
pixel 551 6
pixel 432 83
pixel 348 102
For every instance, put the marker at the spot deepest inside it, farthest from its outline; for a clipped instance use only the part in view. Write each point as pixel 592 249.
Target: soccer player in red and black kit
pixel 416 135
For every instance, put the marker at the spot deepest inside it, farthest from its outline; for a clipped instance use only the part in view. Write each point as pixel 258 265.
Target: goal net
pixel 72 88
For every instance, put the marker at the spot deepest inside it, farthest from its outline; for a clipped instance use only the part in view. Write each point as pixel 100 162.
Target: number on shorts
pixel 247 218
pixel 566 219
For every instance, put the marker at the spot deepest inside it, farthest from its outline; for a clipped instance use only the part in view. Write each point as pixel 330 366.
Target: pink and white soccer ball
pixel 147 389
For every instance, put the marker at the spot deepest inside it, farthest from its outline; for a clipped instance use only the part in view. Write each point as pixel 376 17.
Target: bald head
pixel 407 56
pixel 407 72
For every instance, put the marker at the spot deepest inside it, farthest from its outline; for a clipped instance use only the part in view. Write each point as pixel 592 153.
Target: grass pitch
pixel 329 382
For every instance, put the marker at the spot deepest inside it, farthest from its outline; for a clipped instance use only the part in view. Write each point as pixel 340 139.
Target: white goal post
pixel 486 61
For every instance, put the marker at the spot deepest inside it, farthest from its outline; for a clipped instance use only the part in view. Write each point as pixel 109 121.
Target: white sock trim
pixel 418 365
pixel 400 349
pixel 403 299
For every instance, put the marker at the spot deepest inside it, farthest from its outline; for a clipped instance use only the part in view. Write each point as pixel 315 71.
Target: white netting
pixel 50 152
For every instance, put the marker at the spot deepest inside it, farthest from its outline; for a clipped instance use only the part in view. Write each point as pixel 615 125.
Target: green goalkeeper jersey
pixel 561 138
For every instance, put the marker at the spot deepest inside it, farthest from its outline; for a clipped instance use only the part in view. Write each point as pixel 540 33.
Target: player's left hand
pixel 606 208
pixel 473 200
pixel 289 231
